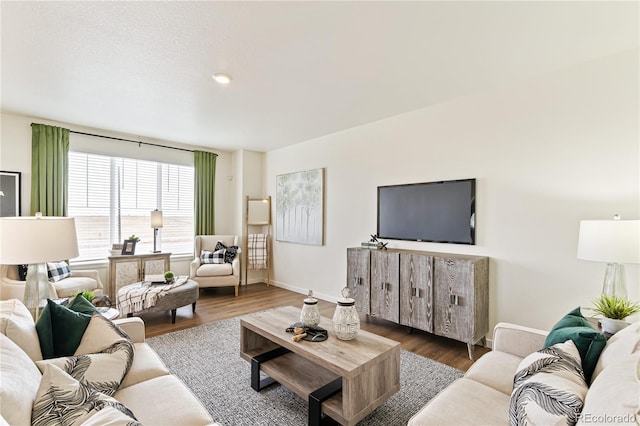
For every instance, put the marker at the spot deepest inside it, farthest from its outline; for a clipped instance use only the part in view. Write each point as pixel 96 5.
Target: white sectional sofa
pixel 482 396
pixel 148 390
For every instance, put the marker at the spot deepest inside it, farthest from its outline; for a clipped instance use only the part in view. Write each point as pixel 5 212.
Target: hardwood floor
pixel 216 304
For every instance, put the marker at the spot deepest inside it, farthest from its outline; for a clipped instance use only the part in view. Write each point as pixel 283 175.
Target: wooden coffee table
pixel 345 380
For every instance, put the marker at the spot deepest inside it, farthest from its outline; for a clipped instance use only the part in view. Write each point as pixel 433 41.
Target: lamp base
pixel 615 282
pixel 36 289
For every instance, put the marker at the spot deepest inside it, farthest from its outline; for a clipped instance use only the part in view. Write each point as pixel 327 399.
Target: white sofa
pixel 215 275
pixel 482 396
pixel 155 396
pixel 12 288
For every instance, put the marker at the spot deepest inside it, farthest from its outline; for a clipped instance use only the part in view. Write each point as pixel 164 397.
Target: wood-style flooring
pixel 216 304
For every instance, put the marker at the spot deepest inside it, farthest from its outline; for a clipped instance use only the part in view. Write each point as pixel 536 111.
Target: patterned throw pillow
pixel 549 387
pixel 61 399
pixel 212 257
pixel 230 253
pixel 101 360
pixel 58 271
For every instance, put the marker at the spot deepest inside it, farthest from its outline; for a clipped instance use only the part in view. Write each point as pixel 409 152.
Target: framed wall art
pixel 10 188
pixel 300 207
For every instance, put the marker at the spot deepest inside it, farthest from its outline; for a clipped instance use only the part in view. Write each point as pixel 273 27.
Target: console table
pixel 441 293
pixel 129 269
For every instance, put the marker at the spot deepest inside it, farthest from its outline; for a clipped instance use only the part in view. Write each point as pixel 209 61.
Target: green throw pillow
pixel 60 330
pixel 82 305
pixel 588 340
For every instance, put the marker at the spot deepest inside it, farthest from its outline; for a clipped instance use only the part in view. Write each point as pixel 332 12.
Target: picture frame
pixel 129 247
pixel 300 207
pixel 10 191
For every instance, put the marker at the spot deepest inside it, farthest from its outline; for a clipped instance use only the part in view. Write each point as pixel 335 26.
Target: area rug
pixel 207 359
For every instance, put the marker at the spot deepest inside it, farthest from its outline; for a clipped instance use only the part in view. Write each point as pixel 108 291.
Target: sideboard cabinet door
pixel 358 277
pixel 385 285
pixel 416 291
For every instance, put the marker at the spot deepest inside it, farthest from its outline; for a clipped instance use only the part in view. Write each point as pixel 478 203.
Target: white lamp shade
pixel 611 241
pixel 156 219
pixel 28 239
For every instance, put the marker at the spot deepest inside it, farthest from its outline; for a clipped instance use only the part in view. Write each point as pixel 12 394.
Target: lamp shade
pixel 611 241
pixel 28 239
pixel 156 219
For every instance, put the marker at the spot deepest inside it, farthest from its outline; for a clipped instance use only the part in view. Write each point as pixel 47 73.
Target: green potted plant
pixel 87 294
pixel 169 277
pixel 615 310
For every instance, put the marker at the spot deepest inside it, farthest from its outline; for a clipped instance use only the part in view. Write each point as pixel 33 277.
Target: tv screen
pixel 442 212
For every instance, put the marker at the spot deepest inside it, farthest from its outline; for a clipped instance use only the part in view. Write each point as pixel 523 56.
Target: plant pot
pixel 612 326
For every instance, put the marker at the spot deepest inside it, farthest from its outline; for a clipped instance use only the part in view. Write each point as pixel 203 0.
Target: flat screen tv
pixel 442 212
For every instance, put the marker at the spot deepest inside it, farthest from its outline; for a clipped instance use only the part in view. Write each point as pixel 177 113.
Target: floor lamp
pixel 615 242
pixel 35 240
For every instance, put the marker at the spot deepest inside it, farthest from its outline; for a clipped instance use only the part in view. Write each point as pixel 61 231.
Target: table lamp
pixel 156 222
pixel 615 242
pixel 35 240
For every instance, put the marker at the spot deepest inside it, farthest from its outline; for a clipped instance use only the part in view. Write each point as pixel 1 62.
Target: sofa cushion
pixel 61 399
pixel 146 365
pixel 60 330
pixel 620 345
pixel 19 381
pixel 102 358
pixel 549 387
pixel 589 341
pixel 82 305
pixel 209 270
pixel 464 402
pixel 58 271
pixel 495 369
pixel 17 324
pixel 613 396
pixel 178 405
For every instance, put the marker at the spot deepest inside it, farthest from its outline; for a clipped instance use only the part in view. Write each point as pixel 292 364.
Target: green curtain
pixel 49 170
pixel 204 192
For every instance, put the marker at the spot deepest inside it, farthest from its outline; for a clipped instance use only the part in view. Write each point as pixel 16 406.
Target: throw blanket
pixel 143 295
pixel 257 251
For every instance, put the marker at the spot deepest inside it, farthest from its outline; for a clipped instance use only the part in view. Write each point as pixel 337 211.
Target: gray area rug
pixel 207 359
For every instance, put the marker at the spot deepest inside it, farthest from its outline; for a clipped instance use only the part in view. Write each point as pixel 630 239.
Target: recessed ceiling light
pixel 222 78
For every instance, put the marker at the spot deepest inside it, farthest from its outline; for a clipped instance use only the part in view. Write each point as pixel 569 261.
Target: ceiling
pixel 300 70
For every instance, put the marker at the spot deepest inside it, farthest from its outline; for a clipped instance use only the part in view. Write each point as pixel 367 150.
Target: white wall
pixel 546 153
pixel 15 155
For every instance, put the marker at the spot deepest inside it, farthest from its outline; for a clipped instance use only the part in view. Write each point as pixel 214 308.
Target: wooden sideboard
pixel 128 269
pixel 441 293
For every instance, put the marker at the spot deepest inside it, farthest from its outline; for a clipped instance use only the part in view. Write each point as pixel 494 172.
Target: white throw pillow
pixel 19 381
pixel 17 324
pixel 549 387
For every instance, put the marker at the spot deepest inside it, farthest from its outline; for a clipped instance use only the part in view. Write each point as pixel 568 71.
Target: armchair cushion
pixel 58 270
pixel 210 270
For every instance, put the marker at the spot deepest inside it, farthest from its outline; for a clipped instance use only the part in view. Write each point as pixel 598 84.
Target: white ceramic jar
pixel 310 315
pixel 346 321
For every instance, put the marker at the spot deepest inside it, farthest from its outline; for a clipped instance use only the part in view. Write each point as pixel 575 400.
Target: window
pixel 111 198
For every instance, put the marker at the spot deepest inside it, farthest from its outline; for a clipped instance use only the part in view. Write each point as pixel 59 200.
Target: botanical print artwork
pixel 299 207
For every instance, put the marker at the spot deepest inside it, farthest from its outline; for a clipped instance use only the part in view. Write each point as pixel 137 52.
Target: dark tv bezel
pixel 472 213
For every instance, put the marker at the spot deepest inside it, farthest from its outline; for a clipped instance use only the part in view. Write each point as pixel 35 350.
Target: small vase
pixel 612 326
pixel 310 315
pixel 346 321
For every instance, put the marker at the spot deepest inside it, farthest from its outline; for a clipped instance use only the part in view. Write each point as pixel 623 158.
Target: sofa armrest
pixel 193 267
pixel 133 326
pixel 517 340
pixel 235 263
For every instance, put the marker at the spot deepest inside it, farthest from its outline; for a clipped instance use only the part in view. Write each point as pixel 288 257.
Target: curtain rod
pixel 129 140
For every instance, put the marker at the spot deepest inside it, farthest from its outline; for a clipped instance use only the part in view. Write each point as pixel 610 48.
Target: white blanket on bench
pixel 143 295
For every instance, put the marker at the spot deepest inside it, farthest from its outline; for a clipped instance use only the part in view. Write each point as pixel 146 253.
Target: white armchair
pixel 12 288
pixel 215 275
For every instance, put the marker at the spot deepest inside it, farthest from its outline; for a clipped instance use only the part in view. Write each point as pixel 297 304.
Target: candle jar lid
pixel 345 300
pixel 310 300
